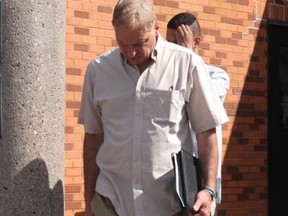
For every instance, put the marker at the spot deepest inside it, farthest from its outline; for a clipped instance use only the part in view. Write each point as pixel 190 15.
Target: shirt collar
pixel 158 47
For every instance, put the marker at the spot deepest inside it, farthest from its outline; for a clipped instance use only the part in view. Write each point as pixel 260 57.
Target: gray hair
pixel 134 14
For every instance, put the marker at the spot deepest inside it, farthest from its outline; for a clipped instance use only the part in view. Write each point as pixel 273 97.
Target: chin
pixel 137 61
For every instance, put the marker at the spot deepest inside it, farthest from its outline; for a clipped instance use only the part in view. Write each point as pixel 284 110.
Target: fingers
pixel 202 205
pixel 184 36
pixel 201 212
pixel 184 29
pixel 197 207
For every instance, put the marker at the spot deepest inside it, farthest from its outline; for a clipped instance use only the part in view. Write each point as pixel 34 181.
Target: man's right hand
pixel 185 36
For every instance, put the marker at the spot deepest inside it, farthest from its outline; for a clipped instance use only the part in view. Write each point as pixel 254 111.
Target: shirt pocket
pixel 164 106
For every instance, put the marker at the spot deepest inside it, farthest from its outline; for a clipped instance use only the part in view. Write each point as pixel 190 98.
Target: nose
pixel 131 51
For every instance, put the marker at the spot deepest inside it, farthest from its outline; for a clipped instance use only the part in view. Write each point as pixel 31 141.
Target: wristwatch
pixel 210 191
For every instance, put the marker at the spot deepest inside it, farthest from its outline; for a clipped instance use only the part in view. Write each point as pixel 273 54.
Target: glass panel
pixel 283 70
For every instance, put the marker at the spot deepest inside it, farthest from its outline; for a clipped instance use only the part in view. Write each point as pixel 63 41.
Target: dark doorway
pixel 278 117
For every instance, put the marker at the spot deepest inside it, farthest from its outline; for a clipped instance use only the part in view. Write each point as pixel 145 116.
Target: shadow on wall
pixel 245 162
pixel 28 193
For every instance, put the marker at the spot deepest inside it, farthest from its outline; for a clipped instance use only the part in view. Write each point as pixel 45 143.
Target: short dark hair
pixel 186 19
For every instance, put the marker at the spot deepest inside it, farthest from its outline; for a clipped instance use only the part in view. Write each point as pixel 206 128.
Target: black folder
pixel 188 178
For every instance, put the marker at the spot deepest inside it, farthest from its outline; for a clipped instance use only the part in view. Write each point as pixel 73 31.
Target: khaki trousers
pixel 102 206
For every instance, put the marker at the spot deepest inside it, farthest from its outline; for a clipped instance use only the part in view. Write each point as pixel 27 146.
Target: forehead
pixel 129 36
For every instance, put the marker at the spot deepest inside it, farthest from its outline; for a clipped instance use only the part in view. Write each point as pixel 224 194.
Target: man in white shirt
pixel 184 29
pixel 137 104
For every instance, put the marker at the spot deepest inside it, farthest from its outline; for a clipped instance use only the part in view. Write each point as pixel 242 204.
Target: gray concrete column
pixel 33 94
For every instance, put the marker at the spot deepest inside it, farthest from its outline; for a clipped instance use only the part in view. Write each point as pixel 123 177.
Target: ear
pixel 156 27
pixel 197 41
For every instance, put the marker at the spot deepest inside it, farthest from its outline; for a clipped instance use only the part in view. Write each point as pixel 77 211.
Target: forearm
pixel 208 154
pixel 92 143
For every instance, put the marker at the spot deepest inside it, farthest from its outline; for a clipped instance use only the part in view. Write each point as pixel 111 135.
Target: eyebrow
pixel 139 42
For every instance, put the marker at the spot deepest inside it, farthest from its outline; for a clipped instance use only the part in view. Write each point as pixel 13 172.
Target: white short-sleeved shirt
pixel 144 120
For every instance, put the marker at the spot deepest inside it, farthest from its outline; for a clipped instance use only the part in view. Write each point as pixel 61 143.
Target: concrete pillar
pixel 33 94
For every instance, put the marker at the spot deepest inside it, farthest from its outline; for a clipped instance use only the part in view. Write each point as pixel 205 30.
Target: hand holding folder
pixel 188 178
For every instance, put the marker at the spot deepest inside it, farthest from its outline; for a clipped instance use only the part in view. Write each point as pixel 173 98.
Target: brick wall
pixel 234 37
